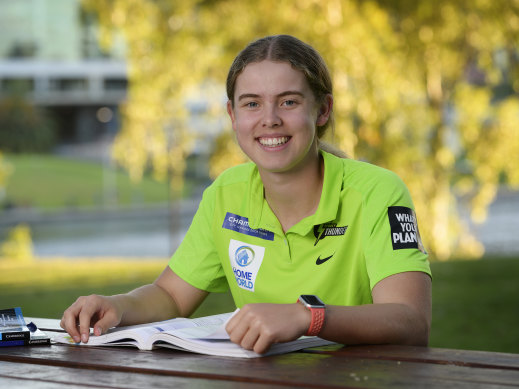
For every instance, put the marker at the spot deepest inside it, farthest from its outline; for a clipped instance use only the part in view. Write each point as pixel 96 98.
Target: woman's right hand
pixel 99 312
pixel 148 303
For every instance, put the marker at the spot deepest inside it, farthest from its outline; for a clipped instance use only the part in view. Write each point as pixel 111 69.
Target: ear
pixel 230 111
pixel 325 110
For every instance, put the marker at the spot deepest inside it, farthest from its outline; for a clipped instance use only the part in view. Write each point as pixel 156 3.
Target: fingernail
pixel 84 338
pixel 77 339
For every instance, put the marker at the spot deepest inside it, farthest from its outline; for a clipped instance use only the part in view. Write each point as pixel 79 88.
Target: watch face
pixel 312 300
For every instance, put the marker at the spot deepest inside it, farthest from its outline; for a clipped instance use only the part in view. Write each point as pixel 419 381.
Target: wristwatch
pixel 316 307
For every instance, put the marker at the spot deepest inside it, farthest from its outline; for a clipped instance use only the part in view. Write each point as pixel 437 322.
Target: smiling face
pixel 275 115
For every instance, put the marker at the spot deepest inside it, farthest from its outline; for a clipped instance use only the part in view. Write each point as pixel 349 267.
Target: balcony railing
pixel 65 83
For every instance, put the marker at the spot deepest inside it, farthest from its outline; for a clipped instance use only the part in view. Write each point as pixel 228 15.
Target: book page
pixel 139 335
pixel 210 327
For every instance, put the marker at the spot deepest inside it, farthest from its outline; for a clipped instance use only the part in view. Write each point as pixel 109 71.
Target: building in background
pixel 49 55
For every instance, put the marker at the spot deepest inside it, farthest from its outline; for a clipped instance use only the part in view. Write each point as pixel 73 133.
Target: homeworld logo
pixel 246 260
pixel 321 231
pixel 244 256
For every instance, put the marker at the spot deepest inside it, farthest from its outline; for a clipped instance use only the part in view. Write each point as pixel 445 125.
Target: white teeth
pixel 273 142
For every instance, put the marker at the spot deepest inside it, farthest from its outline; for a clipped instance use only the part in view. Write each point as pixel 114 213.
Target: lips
pixel 273 141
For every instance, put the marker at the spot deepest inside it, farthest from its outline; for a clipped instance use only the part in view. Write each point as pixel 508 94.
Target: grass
pixel 50 182
pixel 475 304
pixel 45 288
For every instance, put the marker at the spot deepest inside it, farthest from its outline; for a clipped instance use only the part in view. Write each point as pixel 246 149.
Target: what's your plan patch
pixel 404 229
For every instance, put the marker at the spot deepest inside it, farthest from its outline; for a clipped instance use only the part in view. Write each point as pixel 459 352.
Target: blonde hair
pixel 303 57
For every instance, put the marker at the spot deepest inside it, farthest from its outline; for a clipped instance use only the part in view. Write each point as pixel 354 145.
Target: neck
pixel 292 196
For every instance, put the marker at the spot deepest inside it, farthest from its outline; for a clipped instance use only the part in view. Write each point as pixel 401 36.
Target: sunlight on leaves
pixel 427 89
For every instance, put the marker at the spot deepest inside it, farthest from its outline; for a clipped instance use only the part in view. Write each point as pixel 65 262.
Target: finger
pixel 233 322
pixel 98 329
pixel 87 312
pixel 238 317
pixel 84 327
pixel 238 332
pixel 249 339
pixel 68 323
pixel 262 344
pixel 107 321
pixel 259 338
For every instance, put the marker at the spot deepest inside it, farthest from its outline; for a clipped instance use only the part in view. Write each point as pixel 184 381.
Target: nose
pixel 271 117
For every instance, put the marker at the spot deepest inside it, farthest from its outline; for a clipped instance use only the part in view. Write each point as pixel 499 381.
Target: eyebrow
pixel 282 94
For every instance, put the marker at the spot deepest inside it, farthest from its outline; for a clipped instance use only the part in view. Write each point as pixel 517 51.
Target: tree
pixel 18 245
pixel 25 128
pixel 5 171
pixel 427 89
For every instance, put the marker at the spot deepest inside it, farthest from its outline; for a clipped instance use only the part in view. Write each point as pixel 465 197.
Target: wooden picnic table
pixel 63 366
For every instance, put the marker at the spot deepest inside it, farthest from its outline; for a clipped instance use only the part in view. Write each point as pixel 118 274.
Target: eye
pixel 289 103
pixel 251 104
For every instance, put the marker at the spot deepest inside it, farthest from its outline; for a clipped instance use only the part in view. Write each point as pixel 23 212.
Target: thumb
pixel 98 330
pixel 102 325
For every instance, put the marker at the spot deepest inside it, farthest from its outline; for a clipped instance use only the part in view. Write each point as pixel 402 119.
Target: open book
pixel 204 335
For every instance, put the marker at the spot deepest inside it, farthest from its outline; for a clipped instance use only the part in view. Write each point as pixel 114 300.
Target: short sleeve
pixel 196 260
pixel 393 243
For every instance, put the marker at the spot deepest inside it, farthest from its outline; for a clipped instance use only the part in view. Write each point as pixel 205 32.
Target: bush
pixel 5 172
pixel 18 246
pixel 25 128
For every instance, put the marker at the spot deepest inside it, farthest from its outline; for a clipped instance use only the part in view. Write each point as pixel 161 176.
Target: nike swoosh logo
pixel 320 261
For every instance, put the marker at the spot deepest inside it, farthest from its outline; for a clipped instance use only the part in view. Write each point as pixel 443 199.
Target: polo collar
pixel 261 216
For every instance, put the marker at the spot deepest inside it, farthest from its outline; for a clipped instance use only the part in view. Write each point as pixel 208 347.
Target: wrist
pixel 316 308
pixel 305 318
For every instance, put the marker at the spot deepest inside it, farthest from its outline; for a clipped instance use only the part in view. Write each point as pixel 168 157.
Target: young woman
pixel 308 242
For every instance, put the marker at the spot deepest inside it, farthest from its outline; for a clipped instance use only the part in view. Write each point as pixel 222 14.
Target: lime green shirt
pixel 364 230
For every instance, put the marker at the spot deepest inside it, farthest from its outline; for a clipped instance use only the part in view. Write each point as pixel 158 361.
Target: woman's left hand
pixel 257 326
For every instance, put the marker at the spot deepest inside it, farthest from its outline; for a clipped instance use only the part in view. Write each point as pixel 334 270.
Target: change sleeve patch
pixel 404 229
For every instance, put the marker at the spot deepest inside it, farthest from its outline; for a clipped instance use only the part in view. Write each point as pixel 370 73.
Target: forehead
pixel 269 77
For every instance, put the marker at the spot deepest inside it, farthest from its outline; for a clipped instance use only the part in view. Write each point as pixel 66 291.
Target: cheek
pixel 306 123
pixel 243 123
pixel 303 116
pixel 241 132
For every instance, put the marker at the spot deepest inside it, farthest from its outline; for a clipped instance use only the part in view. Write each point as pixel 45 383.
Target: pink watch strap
pixel 317 321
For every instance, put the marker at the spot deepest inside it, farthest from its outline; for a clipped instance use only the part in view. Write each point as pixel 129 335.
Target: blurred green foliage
pixel 25 128
pixel 18 245
pixel 427 89
pixel 5 172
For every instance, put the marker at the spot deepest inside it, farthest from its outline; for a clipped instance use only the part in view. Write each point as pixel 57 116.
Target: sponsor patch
pixel 329 229
pixel 404 229
pixel 245 261
pixel 241 224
